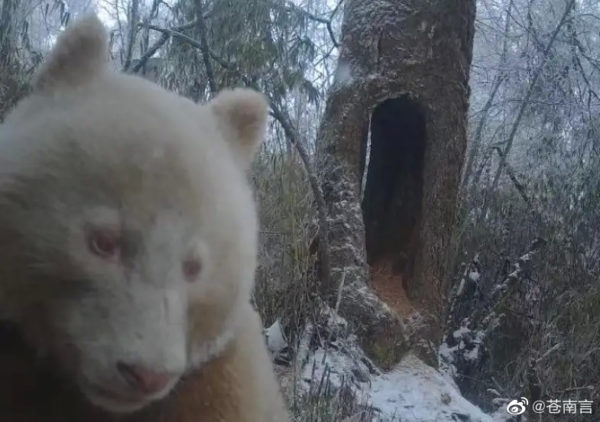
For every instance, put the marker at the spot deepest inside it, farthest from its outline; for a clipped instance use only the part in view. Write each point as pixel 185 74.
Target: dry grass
pixel 559 355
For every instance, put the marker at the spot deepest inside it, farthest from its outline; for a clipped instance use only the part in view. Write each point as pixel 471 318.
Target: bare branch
pixel 150 52
pixel 525 103
pixel 498 80
pixel 166 34
pixel 513 178
pixel 175 32
pixel 201 26
pixel 291 7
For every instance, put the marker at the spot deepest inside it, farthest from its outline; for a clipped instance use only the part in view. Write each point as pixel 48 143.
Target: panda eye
pixel 104 243
pixel 191 269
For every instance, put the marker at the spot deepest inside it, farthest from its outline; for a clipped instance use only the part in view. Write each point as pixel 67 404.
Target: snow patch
pixel 343 75
pixel 462 331
pixel 411 392
pixel 416 392
pixel 275 338
pixel 501 415
pixel 474 276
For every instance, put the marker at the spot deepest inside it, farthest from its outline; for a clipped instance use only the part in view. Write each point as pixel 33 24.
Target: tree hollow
pixel 393 157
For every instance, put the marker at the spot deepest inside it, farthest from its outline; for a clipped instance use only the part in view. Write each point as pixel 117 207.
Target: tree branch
pixel 166 34
pixel 525 103
pixel 150 52
pixel 132 22
pixel 513 178
pixel 201 26
pixel 498 80
pixel 291 7
pixel 175 32
pixel 228 66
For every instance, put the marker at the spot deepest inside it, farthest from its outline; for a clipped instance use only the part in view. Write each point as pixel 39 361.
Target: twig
pixel 518 185
pixel 296 9
pixel 333 330
pixel 525 103
pixel 166 34
pixel 340 289
pixel 549 352
pixel 175 32
pixel 498 80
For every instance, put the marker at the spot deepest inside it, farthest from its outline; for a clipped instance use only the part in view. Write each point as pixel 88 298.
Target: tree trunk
pixel 396 115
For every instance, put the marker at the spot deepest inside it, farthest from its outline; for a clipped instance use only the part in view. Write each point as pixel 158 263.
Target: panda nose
pixel 143 379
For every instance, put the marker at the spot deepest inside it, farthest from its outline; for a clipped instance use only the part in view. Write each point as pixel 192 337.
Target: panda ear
pixel 80 53
pixel 242 118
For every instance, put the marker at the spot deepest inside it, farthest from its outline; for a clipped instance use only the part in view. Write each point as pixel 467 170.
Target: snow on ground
pixel 416 392
pixel 412 392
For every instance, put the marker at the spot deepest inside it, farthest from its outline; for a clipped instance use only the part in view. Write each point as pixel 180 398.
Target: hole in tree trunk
pixel 393 158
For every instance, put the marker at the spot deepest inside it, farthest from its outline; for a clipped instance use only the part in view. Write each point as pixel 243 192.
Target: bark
pixel 416 53
pixel 201 25
pixel 132 21
pixel 146 50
